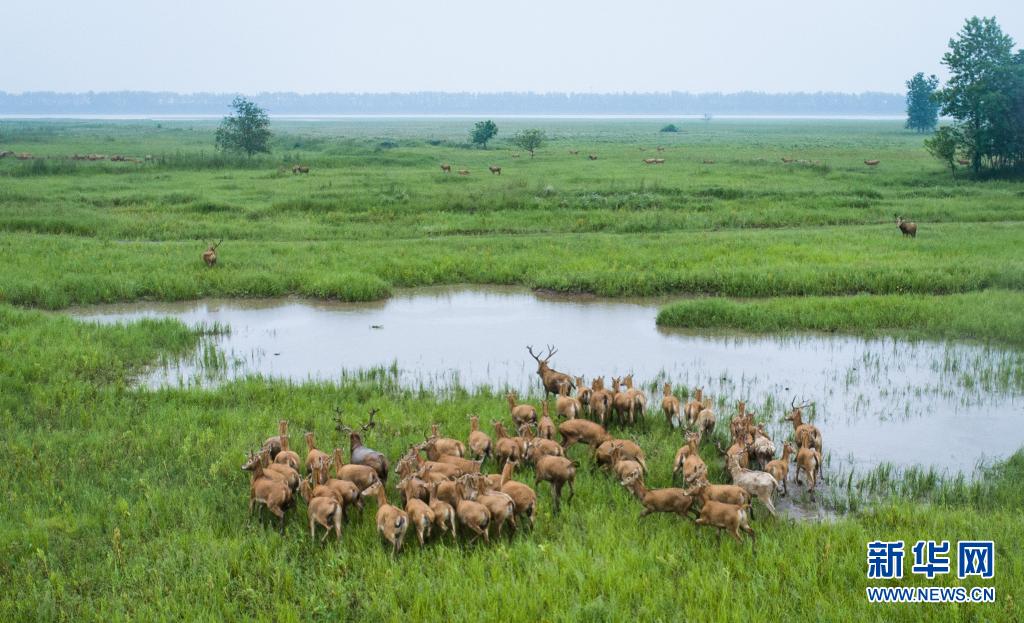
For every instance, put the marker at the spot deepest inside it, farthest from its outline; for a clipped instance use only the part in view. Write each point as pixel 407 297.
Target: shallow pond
pixel 943 404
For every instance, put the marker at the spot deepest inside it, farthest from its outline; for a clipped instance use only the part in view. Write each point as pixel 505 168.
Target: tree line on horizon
pixel 287 103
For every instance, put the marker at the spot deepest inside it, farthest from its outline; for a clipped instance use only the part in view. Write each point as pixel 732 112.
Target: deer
pixel 273 444
pixel 287 456
pixel 546 427
pixel 463 172
pixel 727 518
pixel 443 445
pixel 638 396
pixel 558 471
pixel 210 254
pixel 505 447
pixel 447 168
pixel 314 456
pixel 762 448
pixel 566 406
pixel 671 406
pixel 872 163
pixel 648 160
pixel 536 447
pixel 623 403
pixel 444 513
pixel 909 228
pixel 279 471
pixel 627 450
pixel 549 377
pixel 600 400
pixel 523 497
pixel 808 459
pixel 757 483
pixel 592 156
pixel 479 441
pixel 346 491
pixel 498 503
pixel 779 468
pixel 574 152
pixel 324 510
pixel 495 170
pixel 624 468
pixel 705 422
pixel 421 516
pixel 272 493
pixel 693 408
pixel 667 500
pixel 362 476
pixel 300 169
pixel 590 433
pixel 392 522
pixel 521 413
pixel 583 394
pixel 473 515
pixel 362 455
pixel 801 430
pixel 688 459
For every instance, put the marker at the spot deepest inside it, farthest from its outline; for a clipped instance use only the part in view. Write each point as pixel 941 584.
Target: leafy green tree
pixel 922 108
pixel 943 145
pixel 482 132
pixel 247 130
pixel 984 86
pixel 530 140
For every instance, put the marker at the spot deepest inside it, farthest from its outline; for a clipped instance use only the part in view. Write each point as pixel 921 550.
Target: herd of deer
pixel 443 489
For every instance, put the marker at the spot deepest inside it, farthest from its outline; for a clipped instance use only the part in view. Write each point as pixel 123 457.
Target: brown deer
pixel 872 163
pixel 648 160
pixel 693 408
pixel 494 170
pixel 909 228
pixel 546 427
pixel 272 493
pixel 583 394
pixel 479 441
pixel 300 169
pixel 549 377
pixel 592 156
pixel 521 413
pixel 447 168
pixel 463 172
pixel 566 406
pixel 210 254
pixel 600 402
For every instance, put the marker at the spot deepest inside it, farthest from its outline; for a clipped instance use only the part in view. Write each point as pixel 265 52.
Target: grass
pixel 128 503
pixel 996 315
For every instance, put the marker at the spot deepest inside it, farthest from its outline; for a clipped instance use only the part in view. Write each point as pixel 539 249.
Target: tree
pixel 482 132
pixel 922 108
pixel 247 130
pixel 943 145
pixel 530 140
pixel 985 86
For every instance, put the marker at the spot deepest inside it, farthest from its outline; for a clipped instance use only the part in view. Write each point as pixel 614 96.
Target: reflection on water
pixel 931 403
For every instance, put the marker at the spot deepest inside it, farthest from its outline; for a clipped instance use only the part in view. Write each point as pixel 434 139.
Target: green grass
pixel 126 502
pixel 996 315
pixel 131 504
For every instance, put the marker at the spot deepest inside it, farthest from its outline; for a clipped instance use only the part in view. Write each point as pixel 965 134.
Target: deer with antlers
pixel 549 377
pixel 361 454
pixel 210 254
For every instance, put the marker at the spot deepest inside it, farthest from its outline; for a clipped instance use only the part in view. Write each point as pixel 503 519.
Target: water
pixel 943 404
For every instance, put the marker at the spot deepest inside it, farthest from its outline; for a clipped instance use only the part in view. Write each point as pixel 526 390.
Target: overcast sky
pixel 465 45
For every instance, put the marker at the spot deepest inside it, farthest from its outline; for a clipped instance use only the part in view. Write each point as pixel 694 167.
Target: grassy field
pixel 129 503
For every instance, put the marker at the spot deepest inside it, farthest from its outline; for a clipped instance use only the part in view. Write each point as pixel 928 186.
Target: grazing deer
pixel 909 228
pixel 495 170
pixel 210 254
pixel 649 160
pixel 574 152
pixel 549 377
pixel 515 154
pixel 872 163
pixel 272 493
pixel 709 162
pixel 592 156
pixel 447 168
pixel 463 172
pixel 300 169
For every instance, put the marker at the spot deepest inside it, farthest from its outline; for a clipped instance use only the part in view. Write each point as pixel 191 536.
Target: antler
pixel 530 350
pixel 338 424
pixel 551 352
pixel 370 423
pixel 218 243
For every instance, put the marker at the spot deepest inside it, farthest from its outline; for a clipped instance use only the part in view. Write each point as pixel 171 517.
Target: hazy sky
pixel 464 45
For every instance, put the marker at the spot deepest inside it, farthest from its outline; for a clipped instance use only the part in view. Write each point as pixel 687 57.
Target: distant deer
pixel 495 170
pixel 550 378
pixel 463 171
pixel 210 254
pixel 649 160
pixel 574 152
pixel 909 228
pixel 872 163
pixel 447 168
pixel 592 156
pixel 299 169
